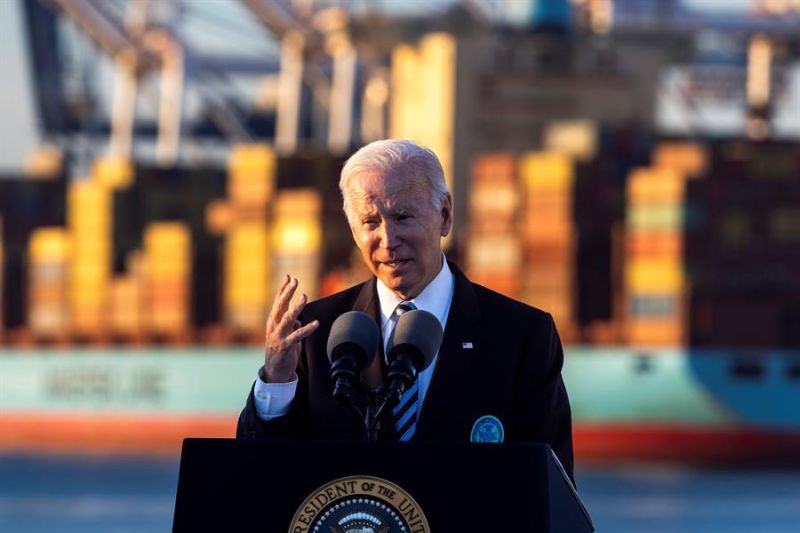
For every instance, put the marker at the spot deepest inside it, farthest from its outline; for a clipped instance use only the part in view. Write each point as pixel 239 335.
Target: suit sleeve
pixel 291 425
pixel 542 411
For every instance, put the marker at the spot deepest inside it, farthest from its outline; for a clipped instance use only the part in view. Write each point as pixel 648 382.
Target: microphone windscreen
pixel 421 330
pixel 354 333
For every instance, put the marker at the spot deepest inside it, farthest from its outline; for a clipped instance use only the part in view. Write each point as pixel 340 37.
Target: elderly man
pixel 497 374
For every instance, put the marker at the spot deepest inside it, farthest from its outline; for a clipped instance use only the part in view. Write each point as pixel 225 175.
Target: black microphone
pixel 412 346
pixel 352 344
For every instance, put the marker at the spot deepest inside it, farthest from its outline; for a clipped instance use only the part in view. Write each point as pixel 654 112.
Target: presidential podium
pixel 285 486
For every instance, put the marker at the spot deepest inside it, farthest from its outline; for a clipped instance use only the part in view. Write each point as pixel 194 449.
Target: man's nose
pixel 388 235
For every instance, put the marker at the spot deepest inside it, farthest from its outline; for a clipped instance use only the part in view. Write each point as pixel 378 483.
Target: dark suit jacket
pixel 512 371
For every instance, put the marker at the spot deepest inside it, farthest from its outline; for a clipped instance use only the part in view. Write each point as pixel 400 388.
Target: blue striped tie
pixel 405 413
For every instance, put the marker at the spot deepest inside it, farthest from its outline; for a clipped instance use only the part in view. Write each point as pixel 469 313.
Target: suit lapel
pixel 455 363
pixel 367 299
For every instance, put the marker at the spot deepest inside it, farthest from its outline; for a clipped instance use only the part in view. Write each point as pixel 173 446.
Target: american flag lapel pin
pixel 466 345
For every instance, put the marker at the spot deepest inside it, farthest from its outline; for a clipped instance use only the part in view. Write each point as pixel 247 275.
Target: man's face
pixel 398 230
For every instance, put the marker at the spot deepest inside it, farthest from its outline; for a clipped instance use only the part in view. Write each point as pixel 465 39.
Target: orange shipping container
pixel 656 332
pixel 494 168
pixel 653 244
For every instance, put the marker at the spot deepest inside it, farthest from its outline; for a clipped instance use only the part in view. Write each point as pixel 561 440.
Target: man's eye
pixel 403 216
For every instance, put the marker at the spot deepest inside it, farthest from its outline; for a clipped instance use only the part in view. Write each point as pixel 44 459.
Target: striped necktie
pixel 405 413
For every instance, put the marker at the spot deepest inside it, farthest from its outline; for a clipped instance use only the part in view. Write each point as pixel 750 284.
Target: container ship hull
pixel 704 407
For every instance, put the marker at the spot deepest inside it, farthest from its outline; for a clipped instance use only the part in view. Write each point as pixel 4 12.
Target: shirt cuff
pixel 273 399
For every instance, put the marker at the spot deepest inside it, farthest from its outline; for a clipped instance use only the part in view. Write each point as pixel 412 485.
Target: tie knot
pixel 404 307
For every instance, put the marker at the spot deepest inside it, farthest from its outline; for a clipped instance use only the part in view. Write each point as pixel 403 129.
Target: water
pixel 660 500
pixel 112 494
pixel 44 494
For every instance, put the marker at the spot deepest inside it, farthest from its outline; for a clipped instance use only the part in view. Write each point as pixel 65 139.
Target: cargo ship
pixel 135 280
pixel 172 348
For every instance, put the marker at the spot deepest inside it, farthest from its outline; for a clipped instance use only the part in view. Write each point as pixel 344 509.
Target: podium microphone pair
pixel 353 345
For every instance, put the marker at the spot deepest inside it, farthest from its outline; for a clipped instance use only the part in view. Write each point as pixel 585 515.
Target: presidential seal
pixel 359 504
pixel 487 429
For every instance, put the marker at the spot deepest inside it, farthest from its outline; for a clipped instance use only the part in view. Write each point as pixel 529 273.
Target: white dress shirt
pixel 273 399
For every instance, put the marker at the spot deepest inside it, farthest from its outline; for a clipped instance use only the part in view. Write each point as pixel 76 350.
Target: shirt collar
pixel 434 298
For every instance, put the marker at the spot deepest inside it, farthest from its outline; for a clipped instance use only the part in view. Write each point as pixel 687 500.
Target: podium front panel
pixel 230 485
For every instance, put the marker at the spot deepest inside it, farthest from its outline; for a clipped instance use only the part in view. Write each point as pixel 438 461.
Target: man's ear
pixel 447 214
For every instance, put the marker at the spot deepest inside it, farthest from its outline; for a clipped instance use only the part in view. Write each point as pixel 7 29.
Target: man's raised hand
pixel 284 333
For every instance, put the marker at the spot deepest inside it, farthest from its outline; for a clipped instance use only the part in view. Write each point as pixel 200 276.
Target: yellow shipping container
pixel 663 276
pixel 88 272
pixel 113 172
pixel 297 236
pixel 168 251
pixel 546 170
pixel 297 227
pixel 87 297
pixel 89 250
pixel 49 244
pixel 86 200
pixel 247 272
pixel 167 267
pixel 251 169
pixel 659 185
pixel 89 224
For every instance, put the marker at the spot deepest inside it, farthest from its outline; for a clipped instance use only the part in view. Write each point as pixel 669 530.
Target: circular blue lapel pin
pixel 487 429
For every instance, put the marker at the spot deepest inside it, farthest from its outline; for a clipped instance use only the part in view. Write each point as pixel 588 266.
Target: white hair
pixel 389 155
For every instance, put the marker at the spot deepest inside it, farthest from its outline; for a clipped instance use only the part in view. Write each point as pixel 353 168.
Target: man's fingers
pixel 283 298
pixel 303 332
pixel 293 312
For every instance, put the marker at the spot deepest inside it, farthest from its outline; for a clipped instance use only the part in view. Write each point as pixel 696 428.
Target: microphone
pixel 352 344
pixel 412 346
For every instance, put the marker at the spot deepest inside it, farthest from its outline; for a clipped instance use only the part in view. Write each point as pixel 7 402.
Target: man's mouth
pixel 394 263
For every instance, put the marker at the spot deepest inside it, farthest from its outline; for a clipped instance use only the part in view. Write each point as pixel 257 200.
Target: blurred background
pixel 631 166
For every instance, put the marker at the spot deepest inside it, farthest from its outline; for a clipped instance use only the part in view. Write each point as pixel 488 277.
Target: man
pixel 498 370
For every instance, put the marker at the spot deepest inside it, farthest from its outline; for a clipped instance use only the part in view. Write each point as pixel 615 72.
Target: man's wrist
pixel 273 378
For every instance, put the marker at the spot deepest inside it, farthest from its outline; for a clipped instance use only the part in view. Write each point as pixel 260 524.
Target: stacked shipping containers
pixel 127 312
pixel 743 247
pixel 494 253
pixel 2 280
pixel 655 284
pixel 548 236
pixel 167 267
pixel 48 261
pixel 89 223
pixel 297 238
pixel 247 271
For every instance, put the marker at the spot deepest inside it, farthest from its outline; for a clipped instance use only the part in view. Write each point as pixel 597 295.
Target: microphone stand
pixel 377 402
